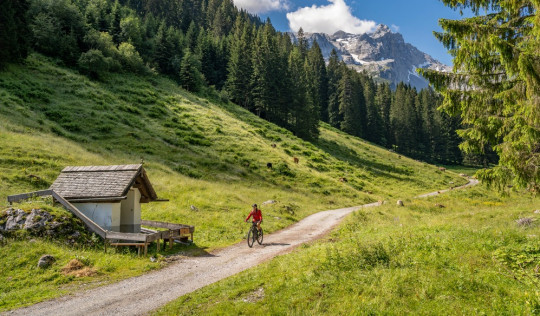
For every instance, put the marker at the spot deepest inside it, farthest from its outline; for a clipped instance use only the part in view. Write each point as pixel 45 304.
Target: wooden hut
pixel 111 196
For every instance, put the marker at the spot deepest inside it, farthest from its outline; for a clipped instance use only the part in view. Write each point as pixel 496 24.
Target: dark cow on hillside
pixel 269 165
pixel 296 160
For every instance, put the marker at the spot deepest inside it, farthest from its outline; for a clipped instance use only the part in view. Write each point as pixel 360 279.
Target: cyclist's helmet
pixel 254 205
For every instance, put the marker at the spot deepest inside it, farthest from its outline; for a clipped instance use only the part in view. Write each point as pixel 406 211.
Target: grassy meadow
pixel 197 151
pixel 459 253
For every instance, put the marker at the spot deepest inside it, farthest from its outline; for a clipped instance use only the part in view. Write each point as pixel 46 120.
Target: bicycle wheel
pixel 260 236
pixel 251 237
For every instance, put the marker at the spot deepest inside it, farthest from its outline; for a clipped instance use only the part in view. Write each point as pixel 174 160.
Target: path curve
pixel 145 293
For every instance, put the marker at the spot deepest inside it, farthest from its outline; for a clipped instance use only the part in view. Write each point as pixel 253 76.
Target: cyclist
pixel 257 216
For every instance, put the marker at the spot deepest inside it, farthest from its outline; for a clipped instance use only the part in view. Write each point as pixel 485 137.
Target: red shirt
pixel 257 215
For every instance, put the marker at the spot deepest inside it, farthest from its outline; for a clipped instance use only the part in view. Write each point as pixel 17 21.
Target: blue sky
pixel 414 19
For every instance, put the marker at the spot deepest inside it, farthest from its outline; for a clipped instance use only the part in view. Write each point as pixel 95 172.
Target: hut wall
pixel 130 217
pixel 106 215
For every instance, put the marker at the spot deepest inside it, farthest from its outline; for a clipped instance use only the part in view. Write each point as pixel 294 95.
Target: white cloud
pixel 262 6
pixel 328 19
pixel 394 28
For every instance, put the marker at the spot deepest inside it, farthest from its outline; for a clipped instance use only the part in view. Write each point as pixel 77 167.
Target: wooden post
pixel 170 239
pixel 145 249
pixel 158 243
pixel 138 251
pixel 105 245
pixel 191 237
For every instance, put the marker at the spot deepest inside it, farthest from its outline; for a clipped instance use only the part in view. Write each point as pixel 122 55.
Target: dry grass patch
pixel 78 269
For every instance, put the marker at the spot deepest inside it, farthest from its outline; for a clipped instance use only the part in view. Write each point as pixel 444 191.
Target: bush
pixel 130 58
pixel 284 169
pixel 94 64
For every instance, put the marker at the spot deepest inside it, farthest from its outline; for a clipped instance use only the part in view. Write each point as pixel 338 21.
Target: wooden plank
pixel 87 221
pixel 25 196
pixel 153 237
pixel 185 231
pixel 160 224
pixel 127 244
pixel 166 225
pixel 126 236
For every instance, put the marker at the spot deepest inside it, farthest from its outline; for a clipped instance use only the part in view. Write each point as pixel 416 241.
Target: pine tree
pixel 114 28
pixel 191 36
pixel 334 72
pixel 383 99
pixel 374 125
pixel 350 97
pixel 317 80
pixel 495 85
pixel 167 53
pixel 191 78
pixel 14 32
pixel 240 67
pixel 302 42
pixel 264 78
pixel 402 120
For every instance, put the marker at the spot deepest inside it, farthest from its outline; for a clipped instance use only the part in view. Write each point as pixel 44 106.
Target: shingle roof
pixel 103 182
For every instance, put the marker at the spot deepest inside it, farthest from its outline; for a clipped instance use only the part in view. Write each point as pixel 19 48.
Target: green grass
pixel 196 151
pixel 469 257
pixel 23 283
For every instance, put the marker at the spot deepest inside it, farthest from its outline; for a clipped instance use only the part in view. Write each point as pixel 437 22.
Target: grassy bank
pixel 207 154
pixel 201 152
pixel 468 257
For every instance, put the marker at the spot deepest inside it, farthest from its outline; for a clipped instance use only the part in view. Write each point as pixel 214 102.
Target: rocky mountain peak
pixel 383 54
pixel 381 30
pixel 340 34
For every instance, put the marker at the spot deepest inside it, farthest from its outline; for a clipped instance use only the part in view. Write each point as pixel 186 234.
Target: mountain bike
pixel 254 234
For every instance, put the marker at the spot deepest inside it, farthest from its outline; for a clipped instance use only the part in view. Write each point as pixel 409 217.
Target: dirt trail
pixel 140 295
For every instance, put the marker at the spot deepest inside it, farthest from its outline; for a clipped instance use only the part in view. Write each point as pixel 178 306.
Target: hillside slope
pixel 207 154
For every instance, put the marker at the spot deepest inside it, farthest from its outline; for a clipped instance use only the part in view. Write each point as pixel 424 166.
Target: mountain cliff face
pixel 383 53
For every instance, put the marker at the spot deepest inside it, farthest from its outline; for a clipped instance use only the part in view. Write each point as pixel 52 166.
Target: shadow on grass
pixel 343 153
pixel 336 150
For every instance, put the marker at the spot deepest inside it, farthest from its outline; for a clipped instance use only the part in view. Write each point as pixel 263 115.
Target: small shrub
pixel 187 171
pixel 94 64
pixel 283 168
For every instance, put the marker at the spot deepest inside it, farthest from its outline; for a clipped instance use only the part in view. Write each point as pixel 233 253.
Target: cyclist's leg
pixel 259 225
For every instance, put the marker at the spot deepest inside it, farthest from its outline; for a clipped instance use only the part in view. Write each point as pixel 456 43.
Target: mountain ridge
pixel 383 54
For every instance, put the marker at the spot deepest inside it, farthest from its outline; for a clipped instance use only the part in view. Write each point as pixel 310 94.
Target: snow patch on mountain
pixel 383 54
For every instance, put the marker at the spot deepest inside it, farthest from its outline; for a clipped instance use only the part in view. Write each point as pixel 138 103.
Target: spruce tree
pixel 317 80
pixel 495 85
pixel 191 77
pixel 14 32
pixel 350 96
pixel 265 77
pixel 333 71
pixel 240 67
pixel 383 99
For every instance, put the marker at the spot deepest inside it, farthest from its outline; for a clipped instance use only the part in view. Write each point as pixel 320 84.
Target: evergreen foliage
pixel 208 45
pixel 495 85
pixel 14 31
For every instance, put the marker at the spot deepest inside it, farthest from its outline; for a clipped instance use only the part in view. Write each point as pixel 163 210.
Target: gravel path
pixel 140 295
